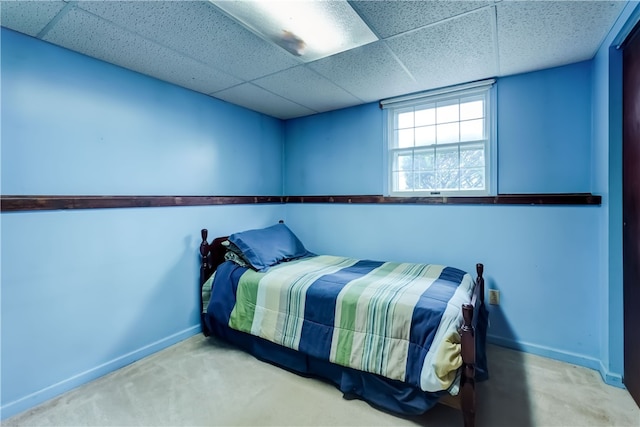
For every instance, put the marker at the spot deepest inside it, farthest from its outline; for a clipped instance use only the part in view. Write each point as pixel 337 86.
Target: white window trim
pixel 491 165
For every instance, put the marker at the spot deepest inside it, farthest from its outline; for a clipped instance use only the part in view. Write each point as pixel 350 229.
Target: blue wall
pixel 543 259
pixel 66 116
pixel 338 152
pixel 543 131
pixel 607 181
pixel 86 292
pixel 544 140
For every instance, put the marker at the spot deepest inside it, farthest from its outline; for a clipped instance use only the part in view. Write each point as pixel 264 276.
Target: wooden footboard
pixel 468 350
pixel 467 378
pixel 466 399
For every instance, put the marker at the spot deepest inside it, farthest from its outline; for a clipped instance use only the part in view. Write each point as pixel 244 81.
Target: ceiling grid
pixel 422 45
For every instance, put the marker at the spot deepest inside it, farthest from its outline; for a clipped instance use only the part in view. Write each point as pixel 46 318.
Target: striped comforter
pixel 397 320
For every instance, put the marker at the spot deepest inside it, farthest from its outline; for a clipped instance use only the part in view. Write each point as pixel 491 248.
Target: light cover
pixel 307 29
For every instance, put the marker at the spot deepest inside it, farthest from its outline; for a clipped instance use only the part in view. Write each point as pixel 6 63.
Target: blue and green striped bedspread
pixel 397 320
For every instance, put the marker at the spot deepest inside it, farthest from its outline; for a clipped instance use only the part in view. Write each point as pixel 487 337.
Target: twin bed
pixel 400 336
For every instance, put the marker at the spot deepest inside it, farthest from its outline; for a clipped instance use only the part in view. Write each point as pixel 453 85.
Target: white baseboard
pixel 17 406
pixel 610 378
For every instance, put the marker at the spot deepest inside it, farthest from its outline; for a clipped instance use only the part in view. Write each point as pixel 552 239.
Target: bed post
pixel 204 256
pixel 468 351
pixel 467 381
pixel 480 281
pixel 204 269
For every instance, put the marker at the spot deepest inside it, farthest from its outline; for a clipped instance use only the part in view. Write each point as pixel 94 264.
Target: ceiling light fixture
pixel 307 29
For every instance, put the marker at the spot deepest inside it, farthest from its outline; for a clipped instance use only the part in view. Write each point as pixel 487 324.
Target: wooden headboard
pixel 212 255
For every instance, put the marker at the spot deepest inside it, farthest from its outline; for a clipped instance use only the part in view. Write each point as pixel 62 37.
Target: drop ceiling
pixel 422 45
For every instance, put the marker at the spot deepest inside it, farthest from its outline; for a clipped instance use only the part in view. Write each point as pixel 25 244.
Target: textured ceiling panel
pixel 305 87
pixel 454 51
pixel 173 67
pixel 385 77
pixel 200 31
pixel 537 35
pixel 89 34
pixel 258 99
pixel 389 18
pixel 28 17
pixel 426 44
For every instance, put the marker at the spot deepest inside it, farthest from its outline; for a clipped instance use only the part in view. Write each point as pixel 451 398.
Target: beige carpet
pixel 207 382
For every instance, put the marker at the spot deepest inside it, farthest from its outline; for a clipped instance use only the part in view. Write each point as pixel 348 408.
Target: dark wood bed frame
pixel 212 255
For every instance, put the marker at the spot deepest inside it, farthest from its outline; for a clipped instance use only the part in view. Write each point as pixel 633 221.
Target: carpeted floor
pixel 206 382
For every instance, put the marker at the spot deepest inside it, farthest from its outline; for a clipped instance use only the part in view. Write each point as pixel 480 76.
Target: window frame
pixel 393 106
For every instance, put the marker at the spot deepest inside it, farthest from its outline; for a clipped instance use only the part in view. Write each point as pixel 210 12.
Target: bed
pixel 401 336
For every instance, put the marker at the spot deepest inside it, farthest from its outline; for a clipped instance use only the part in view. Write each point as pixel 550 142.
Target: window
pixel 440 143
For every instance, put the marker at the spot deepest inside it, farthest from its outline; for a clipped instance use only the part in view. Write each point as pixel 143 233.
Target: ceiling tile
pixel 28 17
pixel 388 18
pixel 384 77
pixel 200 31
pixel 427 44
pixel 258 99
pixel 454 51
pixel 86 33
pixel 305 87
pixel 537 35
pixel 174 67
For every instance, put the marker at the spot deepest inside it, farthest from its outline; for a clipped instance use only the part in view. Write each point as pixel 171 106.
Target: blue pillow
pixel 269 246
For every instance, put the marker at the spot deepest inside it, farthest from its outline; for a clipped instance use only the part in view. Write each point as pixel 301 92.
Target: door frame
pixel 631 243
pixel 612 356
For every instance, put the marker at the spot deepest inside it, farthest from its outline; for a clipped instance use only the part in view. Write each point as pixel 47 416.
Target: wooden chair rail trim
pixel 39 203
